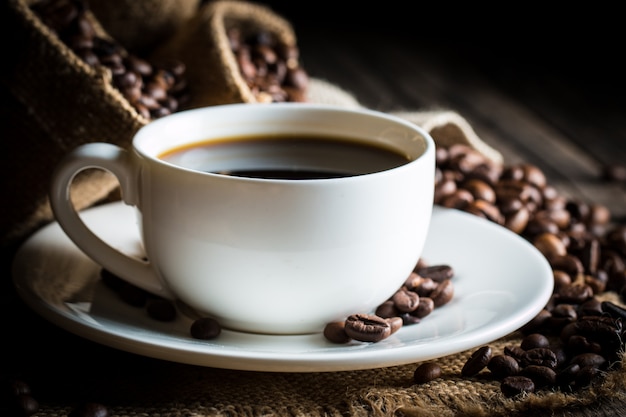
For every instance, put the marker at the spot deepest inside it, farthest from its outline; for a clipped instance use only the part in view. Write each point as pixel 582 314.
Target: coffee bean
pixel 542 376
pixel 395 323
pixel 534 340
pixel 425 307
pixel 437 273
pixel 477 361
pixel 405 300
pixel 539 356
pixel 589 359
pixel 367 327
pixel 426 372
pixel 387 309
pixel 205 328
pixel 335 332
pixel 502 366
pixel 443 293
pixel 515 385
pixel 409 319
pixel 614 310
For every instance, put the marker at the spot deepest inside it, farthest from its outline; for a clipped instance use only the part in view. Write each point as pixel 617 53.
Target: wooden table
pixel 556 103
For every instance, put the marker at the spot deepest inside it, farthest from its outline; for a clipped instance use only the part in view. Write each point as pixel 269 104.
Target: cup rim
pixel 143 139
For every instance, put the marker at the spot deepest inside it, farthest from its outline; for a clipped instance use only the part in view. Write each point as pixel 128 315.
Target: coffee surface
pixel 286 157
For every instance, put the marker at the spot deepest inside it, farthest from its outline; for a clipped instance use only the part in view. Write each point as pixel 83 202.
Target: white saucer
pixel 501 282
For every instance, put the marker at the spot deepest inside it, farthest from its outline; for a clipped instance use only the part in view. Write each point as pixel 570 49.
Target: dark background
pixel 518 44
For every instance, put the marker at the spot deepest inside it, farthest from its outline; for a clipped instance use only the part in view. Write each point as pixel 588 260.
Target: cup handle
pixel 120 163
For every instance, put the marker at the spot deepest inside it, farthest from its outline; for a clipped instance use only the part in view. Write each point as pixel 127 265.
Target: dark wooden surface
pixel 550 96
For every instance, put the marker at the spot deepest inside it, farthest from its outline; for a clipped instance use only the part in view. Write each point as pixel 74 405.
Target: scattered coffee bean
pixel 335 332
pixel 542 376
pixel 477 361
pixel 437 273
pixel 503 365
pixel 205 328
pixel 426 372
pixel 534 340
pixel 515 385
pixel 367 327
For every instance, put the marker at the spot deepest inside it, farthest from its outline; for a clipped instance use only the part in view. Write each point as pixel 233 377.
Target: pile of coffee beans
pixel 577 337
pixel 270 68
pixel 566 357
pixel 152 91
pixel 426 288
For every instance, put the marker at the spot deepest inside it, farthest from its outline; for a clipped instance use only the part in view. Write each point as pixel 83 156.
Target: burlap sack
pixel 203 45
pixel 53 101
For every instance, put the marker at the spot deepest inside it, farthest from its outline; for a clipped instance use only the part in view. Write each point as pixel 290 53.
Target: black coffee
pixel 286 157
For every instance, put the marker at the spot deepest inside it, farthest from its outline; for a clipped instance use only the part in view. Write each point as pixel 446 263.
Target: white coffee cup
pixel 276 256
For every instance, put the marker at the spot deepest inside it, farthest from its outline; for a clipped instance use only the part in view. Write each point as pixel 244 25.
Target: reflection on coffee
pixel 286 157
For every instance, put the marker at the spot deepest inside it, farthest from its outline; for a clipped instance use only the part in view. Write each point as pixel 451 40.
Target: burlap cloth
pixel 172 389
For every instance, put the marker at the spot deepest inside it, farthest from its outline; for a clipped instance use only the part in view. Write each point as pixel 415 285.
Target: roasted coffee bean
pixel 89 409
pixel 502 366
pixel 443 293
pixel 568 263
pixel 575 293
pixel 515 385
pixel 589 359
pixel 423 286
pixel 205 328
pixel 437 273
pixel 550 245
pixel 387 309
pixel 409 319
pixel 542 376
pixel 539 356
pixel 477 361
pixel 426 372
pixel 335 332
pixel 395 323
pixel 514 351
pixel 480 190
pixel 605 332
pixel 561 279
pixel 614 310
pixel 161 309
pixel 405 300
pixel 367 327
pixel 425 307
pixel 591 307
pixel 534 340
